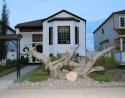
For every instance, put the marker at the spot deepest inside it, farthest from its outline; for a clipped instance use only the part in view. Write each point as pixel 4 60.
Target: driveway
pixel 8 80
pixel 64 93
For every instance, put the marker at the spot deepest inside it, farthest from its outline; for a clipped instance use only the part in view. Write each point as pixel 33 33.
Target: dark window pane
pixel 76 35
pixel 37 38
pixel 50 35
pixel 63 35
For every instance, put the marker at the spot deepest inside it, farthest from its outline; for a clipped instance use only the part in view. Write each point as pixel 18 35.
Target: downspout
pixel 85 45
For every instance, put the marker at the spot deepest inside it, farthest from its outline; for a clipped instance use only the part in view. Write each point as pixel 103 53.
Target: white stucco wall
pixel 26 41
pixel 63 48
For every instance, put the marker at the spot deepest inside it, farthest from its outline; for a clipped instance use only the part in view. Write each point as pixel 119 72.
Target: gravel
pixel 61 84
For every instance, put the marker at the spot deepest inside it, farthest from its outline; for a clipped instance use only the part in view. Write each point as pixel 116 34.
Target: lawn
pixel 6 69
pixel 36 75
pixel 100 76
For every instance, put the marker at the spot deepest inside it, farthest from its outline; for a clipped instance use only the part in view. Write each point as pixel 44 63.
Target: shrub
pixel 54 58
pixel 107 62
pixel 23 61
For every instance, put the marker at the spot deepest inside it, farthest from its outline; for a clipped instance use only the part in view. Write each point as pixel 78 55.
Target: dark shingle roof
pixel 8 27
pixel 38 23
pixel 63 18
pixel 120 12
pixel 35 23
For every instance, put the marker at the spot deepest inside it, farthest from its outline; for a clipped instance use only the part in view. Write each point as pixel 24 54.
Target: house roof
pixel 63 18
pixel 35 23
pixel 118 12
pixel 38 23
pixel 121 31
pixel 9 28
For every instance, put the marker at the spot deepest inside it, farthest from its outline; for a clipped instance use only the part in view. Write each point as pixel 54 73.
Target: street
pixel 109 92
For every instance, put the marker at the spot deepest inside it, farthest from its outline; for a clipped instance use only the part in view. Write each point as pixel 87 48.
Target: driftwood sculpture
pixel 79 70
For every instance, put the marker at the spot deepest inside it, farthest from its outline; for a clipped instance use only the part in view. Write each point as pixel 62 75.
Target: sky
pixel 94 11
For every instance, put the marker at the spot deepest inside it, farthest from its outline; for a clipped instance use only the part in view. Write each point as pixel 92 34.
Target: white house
pixel 112 33
pixel 53 35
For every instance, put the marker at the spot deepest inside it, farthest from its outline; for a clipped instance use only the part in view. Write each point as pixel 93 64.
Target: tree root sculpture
pixel 79 70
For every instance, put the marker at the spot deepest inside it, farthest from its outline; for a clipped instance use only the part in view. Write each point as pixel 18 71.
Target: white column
pixel 121 44
pixel 55 38
pixel 17 31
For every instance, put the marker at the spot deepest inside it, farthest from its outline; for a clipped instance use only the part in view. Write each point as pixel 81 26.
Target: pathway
pixel 8 80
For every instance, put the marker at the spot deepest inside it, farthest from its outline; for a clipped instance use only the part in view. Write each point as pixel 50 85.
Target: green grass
pixel 7 71
pixel 100 77
pixel 36 75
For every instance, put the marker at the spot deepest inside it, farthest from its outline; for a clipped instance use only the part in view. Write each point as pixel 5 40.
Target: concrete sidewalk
pixel 64 93
pixel 8 80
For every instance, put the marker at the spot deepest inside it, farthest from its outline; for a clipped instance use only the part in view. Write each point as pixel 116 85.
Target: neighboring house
pixel 53 35
pixel 112 33
pixel 11 45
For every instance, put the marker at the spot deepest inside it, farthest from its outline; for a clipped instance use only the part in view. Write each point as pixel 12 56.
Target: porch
pixel 120 49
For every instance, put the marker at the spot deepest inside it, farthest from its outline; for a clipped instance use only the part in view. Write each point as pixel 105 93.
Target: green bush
pixel 54 58
pixel 107 62
pixel 23 61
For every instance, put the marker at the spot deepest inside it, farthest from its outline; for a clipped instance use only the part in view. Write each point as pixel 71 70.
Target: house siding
pixel 56 48
pixel 109 34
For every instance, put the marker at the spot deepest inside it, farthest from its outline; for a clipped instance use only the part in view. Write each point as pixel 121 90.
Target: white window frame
pixel 120 22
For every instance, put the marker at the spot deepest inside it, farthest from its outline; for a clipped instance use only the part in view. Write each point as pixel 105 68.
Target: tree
pixel 4 24
pixel 78 70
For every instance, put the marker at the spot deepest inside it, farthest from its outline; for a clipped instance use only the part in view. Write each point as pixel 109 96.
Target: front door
pixel 39 48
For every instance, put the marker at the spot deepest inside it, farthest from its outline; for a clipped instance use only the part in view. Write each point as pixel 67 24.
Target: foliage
pixel 23 61
pixel 100 76
pixel 36 75
pixel 107 62
pixel 4 24
pixel 54 58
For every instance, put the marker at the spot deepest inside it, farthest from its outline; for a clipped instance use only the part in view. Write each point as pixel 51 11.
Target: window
pixel 102 30
pixel 105 45
pixel 50 35
pixel 122 21
pixel 37 37
pixel 76 35
pixel 63 35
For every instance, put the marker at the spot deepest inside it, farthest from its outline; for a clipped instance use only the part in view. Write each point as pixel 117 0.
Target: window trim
pixel 120 21
pixel 69 34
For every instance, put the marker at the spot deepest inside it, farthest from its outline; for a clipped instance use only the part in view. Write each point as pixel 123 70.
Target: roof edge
pixel 66 12
pixel 103 23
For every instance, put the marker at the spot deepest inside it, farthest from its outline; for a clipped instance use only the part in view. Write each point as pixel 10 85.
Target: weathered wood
pixel 78 69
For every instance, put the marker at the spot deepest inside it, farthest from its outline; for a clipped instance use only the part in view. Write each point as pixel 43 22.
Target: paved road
pixel 64 93
pixel 9 79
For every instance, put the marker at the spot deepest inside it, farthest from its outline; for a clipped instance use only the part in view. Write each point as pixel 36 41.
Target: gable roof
pixel 65 12
pixel 9 28
pixel 39 23
pixel 118 12
pixel 35 23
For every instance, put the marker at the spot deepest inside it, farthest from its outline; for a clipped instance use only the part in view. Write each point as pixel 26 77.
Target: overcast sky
pixel 94 11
